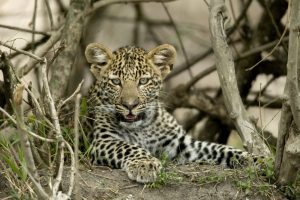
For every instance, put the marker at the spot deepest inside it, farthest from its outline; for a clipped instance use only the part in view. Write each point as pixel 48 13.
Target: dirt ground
pixel 189 182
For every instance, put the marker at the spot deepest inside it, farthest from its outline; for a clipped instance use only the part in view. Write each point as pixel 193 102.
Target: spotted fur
pixel 131 129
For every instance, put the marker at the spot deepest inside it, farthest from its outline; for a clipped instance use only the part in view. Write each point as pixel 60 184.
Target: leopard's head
pixel 130 79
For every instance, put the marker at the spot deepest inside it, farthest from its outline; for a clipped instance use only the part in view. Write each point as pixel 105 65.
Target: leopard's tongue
pixel 131 117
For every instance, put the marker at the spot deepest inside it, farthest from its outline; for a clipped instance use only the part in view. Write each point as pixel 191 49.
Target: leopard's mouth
pixel 130 118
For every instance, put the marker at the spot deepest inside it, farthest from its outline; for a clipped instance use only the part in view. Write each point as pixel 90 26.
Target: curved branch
pixel 226 72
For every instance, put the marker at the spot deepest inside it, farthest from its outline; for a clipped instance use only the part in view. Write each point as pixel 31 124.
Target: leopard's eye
pixel 116 81
pixel 143 81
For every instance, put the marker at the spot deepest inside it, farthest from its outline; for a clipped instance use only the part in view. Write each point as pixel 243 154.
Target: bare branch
pixel 35 57
pixel 17 101
pixel 71 35
pixel 28 46
pixel 24 30
pixel 61 104
pixel 226 72
pixel 55 121
pixel 288 145
pixel 179 39
pixel 76 145
pixel 8 115
pixel 33 24
pixel 41 52
pixel 49 14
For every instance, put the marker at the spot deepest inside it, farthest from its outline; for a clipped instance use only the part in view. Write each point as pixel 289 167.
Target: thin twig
pixel 35 57
pixel 179 39
pixel 240 18
pixel 49 14
pixel 28 46
pixel 76 145
pixel 268 11
pixel 41 52
pixel 73 170
pixel 262 91
pixel 61 104
pixel 193 61
pixel 203 55
pixel 24 30
pixel 30 164
pixel 55 121
pixel 136 30
pixel 199 76
pixel 33 24
pixel 272 51
pixel 8 115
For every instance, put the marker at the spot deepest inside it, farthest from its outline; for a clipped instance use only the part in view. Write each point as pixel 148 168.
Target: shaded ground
pixel 182 182
pixel 189 182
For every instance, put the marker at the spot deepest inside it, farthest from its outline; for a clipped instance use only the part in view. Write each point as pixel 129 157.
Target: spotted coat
pixel 131 128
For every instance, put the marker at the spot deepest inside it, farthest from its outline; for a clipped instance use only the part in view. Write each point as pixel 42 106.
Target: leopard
pixel 130 127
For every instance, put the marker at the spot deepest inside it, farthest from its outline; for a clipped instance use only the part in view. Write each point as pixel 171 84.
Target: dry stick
pixel 272 51
pixel 199 76
pixel 193 61
pixel 266 6
pixel 76 144
pixel 244 55
pixel 49 14
pixel 37 43
pixel 226 72
pixel 103 3
pixel 136 29
pixel 288 152
pixel 55 121
pixel 179 39
pixel 8 115
pixel 262 48
pixel 35 57
pixel 262 91
pixel 17 101
pixel 198 58
pixel 40 52
pixel 62 103
pixel 8 68
pixel 240 18
pixel 24 30
pixel 73 169
pixel 33 24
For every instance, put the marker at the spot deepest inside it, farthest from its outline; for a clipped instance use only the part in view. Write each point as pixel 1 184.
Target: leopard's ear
pixel 163 57
pixel 99 56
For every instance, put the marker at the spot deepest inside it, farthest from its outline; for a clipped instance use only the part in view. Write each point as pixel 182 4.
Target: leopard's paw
pixel 143 170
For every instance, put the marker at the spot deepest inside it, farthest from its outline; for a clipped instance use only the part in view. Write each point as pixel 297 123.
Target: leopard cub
pixel 130 127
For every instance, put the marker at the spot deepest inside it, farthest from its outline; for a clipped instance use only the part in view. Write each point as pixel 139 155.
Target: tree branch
pixel 226 72
pixel 288 146
pixel 41 52
pixel 71 35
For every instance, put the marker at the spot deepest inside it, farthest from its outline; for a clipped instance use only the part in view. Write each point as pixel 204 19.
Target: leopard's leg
pixel 139 164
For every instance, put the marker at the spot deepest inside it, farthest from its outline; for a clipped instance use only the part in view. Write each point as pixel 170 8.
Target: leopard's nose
pixel 130 103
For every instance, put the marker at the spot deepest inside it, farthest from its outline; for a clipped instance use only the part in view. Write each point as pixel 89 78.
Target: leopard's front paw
pixel 143 170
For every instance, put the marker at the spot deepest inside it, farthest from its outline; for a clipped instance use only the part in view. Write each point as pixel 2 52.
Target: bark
pixel 288 145
pixel 9 79
pixel 71 36
pixel 225 68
